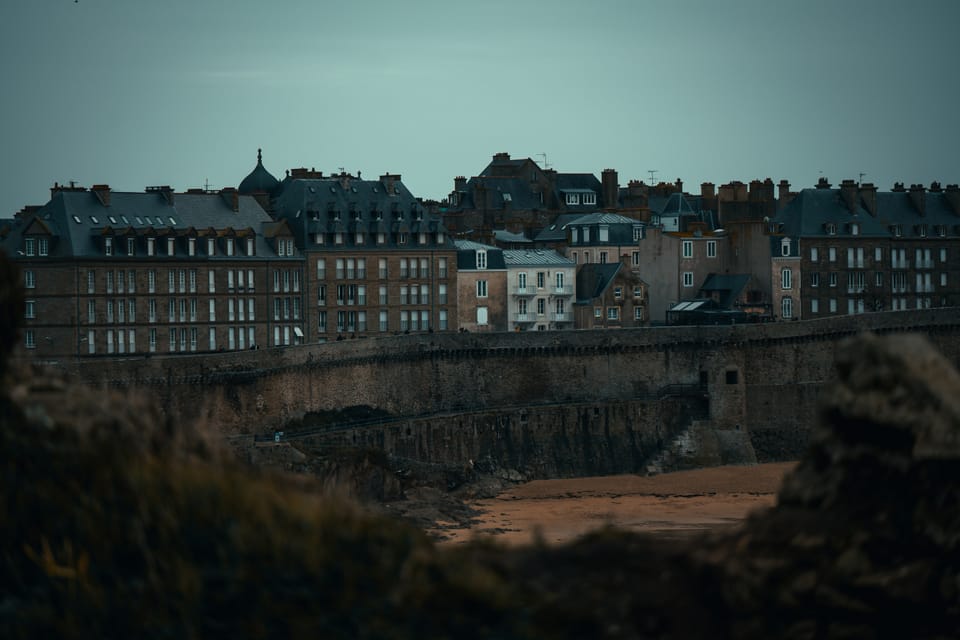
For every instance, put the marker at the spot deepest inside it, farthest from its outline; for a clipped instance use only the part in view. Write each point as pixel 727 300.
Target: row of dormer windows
pixel 340 238
pixel 130 246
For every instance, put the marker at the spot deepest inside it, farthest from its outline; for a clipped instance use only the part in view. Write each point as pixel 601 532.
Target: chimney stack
pixel 952 194
pixel 102 192
pixel 868 194
pixel 848 191
pixel 707 191
pixel 460 183
pixel 231 197
pixel 918 198
pixel 611 188
pixel 823 183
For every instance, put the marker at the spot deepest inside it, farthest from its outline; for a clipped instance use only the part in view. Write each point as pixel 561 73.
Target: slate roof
pixel 347 204
pixel 509 237
pixel 259 180
pixel 535 258
pixel 729 286
pixel 808 214
pixel 593 279
pixel 78 219
pixel 557 231
pixel 619 229
pixel 467 256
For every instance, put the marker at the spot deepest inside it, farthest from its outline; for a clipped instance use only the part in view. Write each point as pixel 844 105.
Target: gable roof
pixel 729 286
pixel 594 278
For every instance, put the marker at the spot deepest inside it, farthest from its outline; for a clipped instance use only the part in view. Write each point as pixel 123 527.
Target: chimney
pixel 460 183
pixel 167 194
pixel 848 191
pixel 102 192
pixel 707 190
pixel 611 188
pixel 918 198
pixel 501 157
pixel 868 193
pixel 783 190
pixel 231 197
pixel 388 180
pixel 898 187
pixel 952 194
pixel 935 187
pixel 823 183
pixel 679 184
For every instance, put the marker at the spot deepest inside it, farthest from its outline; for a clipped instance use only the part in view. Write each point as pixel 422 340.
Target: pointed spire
pixel 259 156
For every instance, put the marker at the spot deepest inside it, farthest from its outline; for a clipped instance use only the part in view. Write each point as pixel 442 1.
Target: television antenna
pixel 543 155
pixel 653 175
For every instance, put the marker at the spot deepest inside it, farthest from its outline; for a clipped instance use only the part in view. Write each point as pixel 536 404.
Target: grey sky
pixel 179 92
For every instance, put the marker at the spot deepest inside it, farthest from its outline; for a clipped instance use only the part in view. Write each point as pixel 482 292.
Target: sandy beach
pixel 672 504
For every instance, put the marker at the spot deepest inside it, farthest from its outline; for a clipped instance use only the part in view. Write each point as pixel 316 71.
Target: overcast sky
pixel 183 92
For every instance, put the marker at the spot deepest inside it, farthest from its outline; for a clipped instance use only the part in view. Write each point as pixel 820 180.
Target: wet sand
pixel 672 505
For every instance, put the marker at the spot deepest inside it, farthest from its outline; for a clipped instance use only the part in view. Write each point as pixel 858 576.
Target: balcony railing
pixel 561 317
pixel 524 291
pixel 565 290
pixel 523 317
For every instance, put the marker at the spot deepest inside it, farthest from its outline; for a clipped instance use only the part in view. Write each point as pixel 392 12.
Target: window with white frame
pixel 711 248
pixel 590 198
pixel 573 198
pixel 481 288
pixel 481 315
pixel 785 247
pixel 786 278
pixel 688 278
pixel 613 313
pixel 687 248
pixel 29 279
pixel 481 255
pixel 786 307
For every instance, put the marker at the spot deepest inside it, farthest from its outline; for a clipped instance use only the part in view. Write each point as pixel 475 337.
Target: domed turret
pixel 260 180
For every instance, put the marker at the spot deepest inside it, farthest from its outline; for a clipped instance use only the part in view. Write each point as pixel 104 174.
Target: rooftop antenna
pixel 653 175
pixel 860 183
pixel 543 155
pixel 206 184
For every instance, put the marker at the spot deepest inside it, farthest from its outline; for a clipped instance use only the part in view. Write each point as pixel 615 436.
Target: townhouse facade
pixel 110 273
pixel 482 300
pixel 860 250
pixel 377 261
pixel 611 295
pixel 541 287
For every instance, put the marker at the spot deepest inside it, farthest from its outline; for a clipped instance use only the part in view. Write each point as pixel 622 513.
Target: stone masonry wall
pixel 762 380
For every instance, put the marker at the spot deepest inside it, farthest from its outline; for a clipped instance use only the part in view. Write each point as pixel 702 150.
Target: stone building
pixel 541 289
pixel 110 272
pixel 861 250
pixel 610 295
pixel 377 262
pixel 481 287
pixel 517 195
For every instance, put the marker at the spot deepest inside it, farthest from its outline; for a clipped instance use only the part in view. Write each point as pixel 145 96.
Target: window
pixel 833 305
pixel 832 254
pixel 171 246
pixel 618 292
pixel 613 313
pixel 229 246
pixel 541 279
pixel 786 279
pixel 854 229
pixel 481 288
pixel 29 247
pixel 590 198
pixel 481 315
pixel 211 248
pixel 833 278
pixel 814 306
pixel 42 246
pixel 560 282
pixel 481 259
pixel 638 313
pixel 191 246
pixel 603 233
pixel 688 278
pixel 943 255
pixel 573 198
pixel 598 312
pixel 29 280
pixel 687 248
pixel 635 256
pixel 814 254
pixel 29 309
pixel 638 292
pixel 603 257
pixel 638 235
pixel 878 255
pixel 91 281
pixel 786 307
pixel 212 312
pixel 785 247
pixel 711 248
pixel 108 246
pixel 30 339
pixel 878 279
pixel 814 279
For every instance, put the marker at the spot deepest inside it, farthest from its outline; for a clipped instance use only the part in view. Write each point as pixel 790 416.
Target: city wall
pixel 547 403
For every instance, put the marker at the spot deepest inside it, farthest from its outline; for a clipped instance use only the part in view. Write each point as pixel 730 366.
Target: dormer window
pixel 338 237
pixel 43 246
pixel 440 237
pixel 30 247
pixel 171 246
pixel 922 230
pixel 604 235
pixel 251 247
pixel 573 235
pixel 319 238
pixel 131 246
pixel 941 230
pixel 481 258
pixel 151 246
pixel 191 246
pixel 381 237
pixel 637 233
pixel 358 238
pixel 785 247
pixel 281 248
pixel 230 247
pixel 573 198
pixel 830 228
pixel 108 246
pixel 452 200
pixel 590 198
pixel 896 230
pixel 854 229
pixel 422 237
pixel 401 238
pixel 211 246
